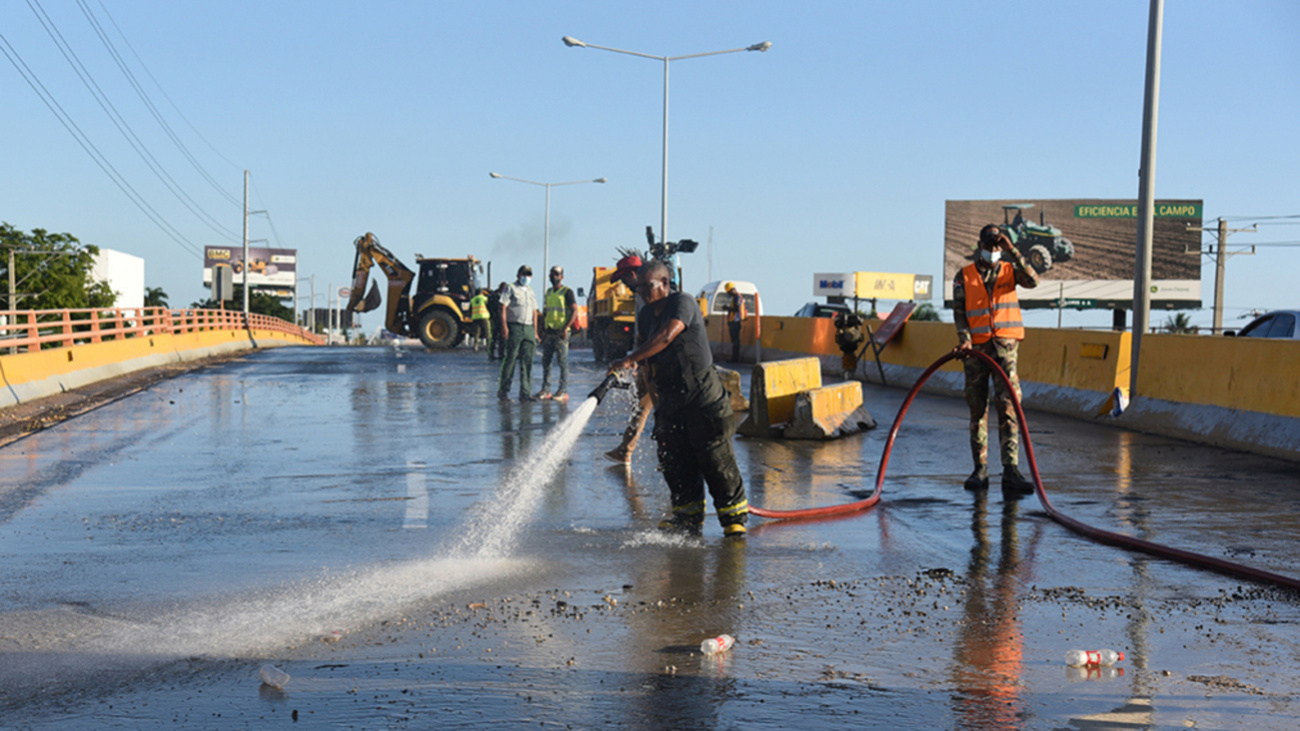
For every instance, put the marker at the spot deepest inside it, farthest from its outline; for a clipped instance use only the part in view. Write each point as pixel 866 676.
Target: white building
pixel 123 273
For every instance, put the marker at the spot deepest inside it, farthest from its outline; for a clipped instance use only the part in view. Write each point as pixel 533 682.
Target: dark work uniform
pixel 497 346
pixel 694 424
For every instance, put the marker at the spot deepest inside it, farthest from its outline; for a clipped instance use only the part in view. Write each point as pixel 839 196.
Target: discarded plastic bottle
pixel 273 676
pixel 1079 658
pixel 714 645
pixel 1093 673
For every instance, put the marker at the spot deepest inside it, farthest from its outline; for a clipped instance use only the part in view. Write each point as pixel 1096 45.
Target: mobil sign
pixel 833 284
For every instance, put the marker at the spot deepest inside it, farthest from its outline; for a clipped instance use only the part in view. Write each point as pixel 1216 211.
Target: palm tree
pixel 155 297
pixel 1181 323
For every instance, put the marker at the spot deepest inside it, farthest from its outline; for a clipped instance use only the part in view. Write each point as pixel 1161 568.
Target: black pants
pixel 734 327
pixel 695 450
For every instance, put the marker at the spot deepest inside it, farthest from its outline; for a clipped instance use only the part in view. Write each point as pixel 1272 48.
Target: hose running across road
pixel 1103 536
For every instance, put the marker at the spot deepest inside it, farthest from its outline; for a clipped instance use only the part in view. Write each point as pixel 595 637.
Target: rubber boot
pixel 1014 483
pixel 979 479
pixel 683 526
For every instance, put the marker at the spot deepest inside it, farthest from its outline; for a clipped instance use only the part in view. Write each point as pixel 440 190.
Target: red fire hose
pixel 1115 539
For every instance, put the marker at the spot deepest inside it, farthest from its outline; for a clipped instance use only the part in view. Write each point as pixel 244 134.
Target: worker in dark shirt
pixel 694 424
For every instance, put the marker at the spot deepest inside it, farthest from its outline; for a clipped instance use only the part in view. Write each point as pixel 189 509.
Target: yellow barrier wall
pixel 1250 374
pixel 1236 392
pixel 29 376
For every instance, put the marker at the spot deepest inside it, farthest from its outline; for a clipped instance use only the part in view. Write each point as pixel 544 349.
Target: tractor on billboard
pixel 1040 243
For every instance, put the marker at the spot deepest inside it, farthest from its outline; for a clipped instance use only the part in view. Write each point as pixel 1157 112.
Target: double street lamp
pixel 572 42
pixel 546 245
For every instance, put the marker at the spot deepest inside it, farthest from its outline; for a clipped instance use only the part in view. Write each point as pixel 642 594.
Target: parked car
pixel 821 309
pixel 1278 324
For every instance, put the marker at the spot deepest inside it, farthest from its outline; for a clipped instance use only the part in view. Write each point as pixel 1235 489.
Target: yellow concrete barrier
pixel 829 412
pixel 772 390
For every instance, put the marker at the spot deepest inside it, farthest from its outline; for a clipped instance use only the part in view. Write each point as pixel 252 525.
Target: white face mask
pixel 991 257
pixel 525 281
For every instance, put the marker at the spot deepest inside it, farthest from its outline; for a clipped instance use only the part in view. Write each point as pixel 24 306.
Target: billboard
pixel 1083 249
pixel 269 268
pixel 872 285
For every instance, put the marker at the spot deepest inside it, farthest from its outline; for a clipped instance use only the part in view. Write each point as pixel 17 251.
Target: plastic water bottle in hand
pixel 273 676
pixel 1079 658
pixel 714 645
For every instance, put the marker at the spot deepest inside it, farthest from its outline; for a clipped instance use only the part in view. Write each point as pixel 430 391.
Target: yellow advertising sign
pixel 884 286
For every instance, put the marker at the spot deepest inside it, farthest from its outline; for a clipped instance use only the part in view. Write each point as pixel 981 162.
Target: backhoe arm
pixel 370 253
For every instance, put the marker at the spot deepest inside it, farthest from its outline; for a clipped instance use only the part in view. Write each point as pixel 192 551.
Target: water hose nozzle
pixel 611 381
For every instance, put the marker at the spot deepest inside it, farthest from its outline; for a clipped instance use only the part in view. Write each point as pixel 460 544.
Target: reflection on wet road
pixel 357 517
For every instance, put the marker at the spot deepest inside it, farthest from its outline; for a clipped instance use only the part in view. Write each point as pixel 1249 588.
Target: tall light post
pixel 572 42
pixel 546 241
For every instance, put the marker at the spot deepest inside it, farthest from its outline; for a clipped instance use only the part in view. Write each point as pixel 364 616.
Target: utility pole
pixel 1146 191
pixel 13 291
pixel 1221 265
pixel 245 278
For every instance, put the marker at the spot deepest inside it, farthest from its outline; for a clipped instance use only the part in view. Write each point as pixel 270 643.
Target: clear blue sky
pixel 833 151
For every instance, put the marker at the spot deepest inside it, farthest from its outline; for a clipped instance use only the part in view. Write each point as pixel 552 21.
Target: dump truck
pixel 611 315
pixel 438 313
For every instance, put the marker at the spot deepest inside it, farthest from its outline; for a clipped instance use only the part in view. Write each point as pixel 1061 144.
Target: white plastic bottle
pixel 1079 658
pixel 714 645
pixel 273 676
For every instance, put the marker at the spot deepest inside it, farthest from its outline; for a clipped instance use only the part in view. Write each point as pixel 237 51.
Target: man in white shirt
pixel 519 325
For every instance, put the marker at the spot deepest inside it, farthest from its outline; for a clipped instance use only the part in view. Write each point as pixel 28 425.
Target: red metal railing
pixel 33 330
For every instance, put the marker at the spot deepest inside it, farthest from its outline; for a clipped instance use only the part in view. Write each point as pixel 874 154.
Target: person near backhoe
pixel 519 326
pixel 497 345
pixel 561 310
pixel 736 314
pixel 986 312
pixel 694 424
pixel 480 322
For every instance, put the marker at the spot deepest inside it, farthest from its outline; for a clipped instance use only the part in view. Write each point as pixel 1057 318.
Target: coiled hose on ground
pixel 1115 539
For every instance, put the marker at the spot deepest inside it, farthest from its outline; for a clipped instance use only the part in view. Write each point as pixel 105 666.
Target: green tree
pixel 258 302
pixel 925 313
pixel 155 297
pixel 51 271
pixel 1180 323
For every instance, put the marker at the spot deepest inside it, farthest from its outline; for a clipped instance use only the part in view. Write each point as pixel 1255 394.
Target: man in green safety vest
pixel 561 308
pixel 479 319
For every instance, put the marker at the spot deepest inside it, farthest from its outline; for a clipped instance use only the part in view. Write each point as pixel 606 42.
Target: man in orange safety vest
pixel 987 314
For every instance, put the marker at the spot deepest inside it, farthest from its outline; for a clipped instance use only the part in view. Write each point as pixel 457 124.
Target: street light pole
pixel 546 237
pixel 572 42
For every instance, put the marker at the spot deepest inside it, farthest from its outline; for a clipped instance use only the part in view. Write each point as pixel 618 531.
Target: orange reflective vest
pixel 999 318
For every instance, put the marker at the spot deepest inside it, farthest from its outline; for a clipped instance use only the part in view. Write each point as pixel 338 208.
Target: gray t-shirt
pixel 521 303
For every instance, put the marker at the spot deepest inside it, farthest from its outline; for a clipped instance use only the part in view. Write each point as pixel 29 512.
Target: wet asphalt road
pixel 325 510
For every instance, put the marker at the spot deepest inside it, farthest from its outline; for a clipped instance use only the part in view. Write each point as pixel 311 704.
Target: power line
pixel 274 234
pixel 169 99
pixel 98 157
pixel 144 97
pixel 124 127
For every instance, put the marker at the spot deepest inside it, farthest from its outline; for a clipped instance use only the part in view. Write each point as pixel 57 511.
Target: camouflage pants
pixel 977 397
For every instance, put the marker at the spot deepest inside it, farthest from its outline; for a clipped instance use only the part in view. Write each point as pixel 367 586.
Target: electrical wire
pixel 95 155
pixel 144 97
pixel 124 127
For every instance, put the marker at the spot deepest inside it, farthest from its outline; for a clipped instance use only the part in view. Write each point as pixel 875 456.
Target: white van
pixel 714 302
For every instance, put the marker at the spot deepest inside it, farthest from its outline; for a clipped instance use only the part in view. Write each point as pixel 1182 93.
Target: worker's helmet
pixel 729 287
pixel 626 267
pixel 990 235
